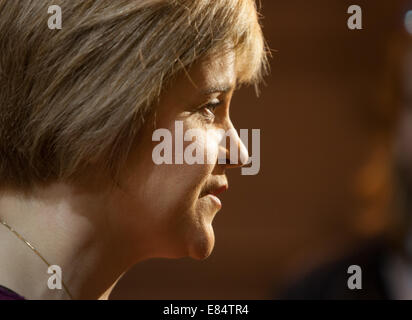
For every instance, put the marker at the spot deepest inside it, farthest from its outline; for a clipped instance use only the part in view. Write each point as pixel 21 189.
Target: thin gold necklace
pixel 36 252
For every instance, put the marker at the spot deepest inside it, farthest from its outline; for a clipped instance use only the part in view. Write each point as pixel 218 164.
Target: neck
pixel 69 230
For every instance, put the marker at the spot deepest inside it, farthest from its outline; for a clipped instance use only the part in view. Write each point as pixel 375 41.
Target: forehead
pixel 190 89
pixel 213 71
pixel 216 71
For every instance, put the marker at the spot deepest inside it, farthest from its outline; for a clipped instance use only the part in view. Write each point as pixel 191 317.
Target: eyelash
pixel 211 106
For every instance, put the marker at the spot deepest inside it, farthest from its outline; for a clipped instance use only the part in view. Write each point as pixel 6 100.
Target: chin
pixel 202 243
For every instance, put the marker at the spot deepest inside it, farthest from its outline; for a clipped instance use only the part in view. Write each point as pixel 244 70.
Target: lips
pixel 219 190
pixel 213 194
pixel 213 190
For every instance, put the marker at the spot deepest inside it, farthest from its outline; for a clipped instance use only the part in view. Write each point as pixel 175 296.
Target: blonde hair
pixel 80 94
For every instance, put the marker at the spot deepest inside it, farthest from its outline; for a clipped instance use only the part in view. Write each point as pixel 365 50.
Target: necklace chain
pixel 35 251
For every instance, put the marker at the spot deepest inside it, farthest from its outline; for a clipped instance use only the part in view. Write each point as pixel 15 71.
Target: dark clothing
pixel 7 294
pixel 329 282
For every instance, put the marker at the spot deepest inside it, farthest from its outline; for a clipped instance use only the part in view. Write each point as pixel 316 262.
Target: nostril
pixel 229 162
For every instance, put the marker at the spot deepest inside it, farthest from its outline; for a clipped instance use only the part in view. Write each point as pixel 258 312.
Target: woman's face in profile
pixel 167 210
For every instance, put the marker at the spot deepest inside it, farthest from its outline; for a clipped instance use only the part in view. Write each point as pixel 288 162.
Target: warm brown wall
pixel 318 134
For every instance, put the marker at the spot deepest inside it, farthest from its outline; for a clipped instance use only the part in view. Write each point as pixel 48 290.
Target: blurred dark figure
pixel 386 262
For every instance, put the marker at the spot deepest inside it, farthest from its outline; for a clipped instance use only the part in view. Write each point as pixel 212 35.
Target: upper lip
pixel 215 189
pixel 219 190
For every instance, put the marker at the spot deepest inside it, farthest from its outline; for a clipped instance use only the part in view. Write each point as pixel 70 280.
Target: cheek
pixel 171 190
pixel 166 196
pixel 171 186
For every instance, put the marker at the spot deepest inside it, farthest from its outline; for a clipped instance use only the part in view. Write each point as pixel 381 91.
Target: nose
pixel 233 154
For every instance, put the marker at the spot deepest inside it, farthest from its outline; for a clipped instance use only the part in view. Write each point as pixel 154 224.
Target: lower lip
pixel 215 200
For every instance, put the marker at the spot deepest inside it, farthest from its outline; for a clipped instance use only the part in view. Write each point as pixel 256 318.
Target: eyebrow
pixel 221 88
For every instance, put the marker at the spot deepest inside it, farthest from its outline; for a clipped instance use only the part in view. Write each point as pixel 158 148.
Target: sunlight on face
pixel 173 205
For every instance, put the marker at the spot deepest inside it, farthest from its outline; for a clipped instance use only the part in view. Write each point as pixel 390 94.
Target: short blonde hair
pixel 81 94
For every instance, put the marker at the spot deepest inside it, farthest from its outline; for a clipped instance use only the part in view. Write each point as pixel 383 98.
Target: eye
pixel 209 109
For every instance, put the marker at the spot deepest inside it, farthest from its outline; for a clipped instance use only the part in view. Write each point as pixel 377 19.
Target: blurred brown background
pixel 324 184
